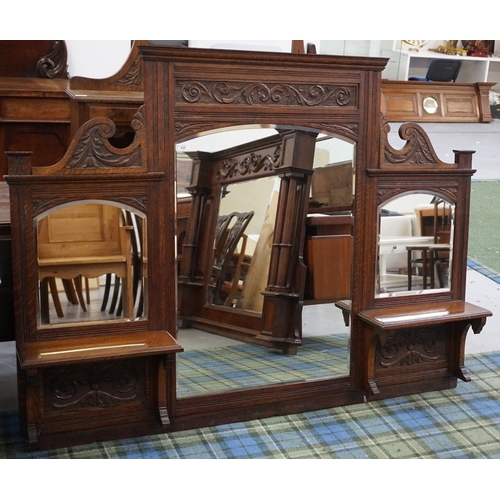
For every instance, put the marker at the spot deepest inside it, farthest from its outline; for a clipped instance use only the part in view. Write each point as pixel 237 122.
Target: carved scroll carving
pixel 54 65
pixel 412 346
pixel 276 94
pixel 90 149
pixel 250 164
pixel 417 151
pixel 133 77
pixel 94 385
pixel 94 151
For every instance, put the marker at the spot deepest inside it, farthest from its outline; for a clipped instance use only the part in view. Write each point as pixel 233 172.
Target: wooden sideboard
pixel 34 106
pixel 436 102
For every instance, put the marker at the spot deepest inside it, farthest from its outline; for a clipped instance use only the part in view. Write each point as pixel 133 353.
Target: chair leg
pixel 107 287
pixel 114 299
pixel 55 297
pixel 87 290
pixel 69 289
pixel 44 301
pixel 78 285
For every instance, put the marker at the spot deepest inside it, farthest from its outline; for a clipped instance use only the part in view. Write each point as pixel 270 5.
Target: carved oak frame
pixel 188 92
pixel 306 93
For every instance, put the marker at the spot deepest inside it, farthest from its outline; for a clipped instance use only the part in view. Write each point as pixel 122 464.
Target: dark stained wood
pixel 7 331
pixel 34 106
pixel 33 58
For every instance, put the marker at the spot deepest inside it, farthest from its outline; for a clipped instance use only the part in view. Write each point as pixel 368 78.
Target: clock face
pixel 430 105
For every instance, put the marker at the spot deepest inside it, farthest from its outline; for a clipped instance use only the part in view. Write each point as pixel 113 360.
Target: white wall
pixel 96 58
pixel 103 58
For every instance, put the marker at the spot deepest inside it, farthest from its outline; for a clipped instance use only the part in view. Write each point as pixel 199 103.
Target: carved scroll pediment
pixel 54 64
pixel 417 152
pixel 258 93
pixel 91 150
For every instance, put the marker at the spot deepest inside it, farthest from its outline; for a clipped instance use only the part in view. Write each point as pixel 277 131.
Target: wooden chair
pixel 223 260
pixel 87 240
pixel 434 259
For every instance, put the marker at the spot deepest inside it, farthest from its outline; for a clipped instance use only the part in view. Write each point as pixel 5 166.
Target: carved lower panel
pixel 94 385
pixel 412 346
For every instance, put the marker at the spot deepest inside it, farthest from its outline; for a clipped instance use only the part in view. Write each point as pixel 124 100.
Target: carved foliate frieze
pixel 258 93
pixel 250 164
pixel 133 77
pixel 412 346
pixel 94 385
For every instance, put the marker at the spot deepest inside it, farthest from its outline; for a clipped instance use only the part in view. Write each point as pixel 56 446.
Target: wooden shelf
pixel 423 314
pixel 69 351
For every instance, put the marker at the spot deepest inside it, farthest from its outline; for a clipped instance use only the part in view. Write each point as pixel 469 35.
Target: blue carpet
pixel 459 423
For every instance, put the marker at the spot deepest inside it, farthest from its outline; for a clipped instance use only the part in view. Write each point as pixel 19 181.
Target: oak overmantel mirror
pixel 237 271
pixel 294 101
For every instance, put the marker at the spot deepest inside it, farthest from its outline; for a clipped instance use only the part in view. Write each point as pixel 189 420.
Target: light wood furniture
pixel 436 102
pixel 88 240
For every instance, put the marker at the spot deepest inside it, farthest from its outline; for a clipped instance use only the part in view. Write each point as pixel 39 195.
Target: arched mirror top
pixel 414 244
pixel 117 204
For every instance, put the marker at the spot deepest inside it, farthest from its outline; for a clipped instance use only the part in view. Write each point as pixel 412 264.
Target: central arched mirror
pixel 415 245
pixel 242 212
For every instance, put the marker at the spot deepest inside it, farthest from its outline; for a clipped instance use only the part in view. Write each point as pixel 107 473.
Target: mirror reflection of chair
pixel 433 260
pixel 441 70
pixel 87 240
pixel 226 273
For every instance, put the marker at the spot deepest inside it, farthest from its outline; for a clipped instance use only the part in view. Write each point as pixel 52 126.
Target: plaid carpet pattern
pixel 250 365
pixel 458 423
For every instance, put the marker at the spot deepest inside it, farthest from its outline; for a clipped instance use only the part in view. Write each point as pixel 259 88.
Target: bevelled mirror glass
pixel 415 245
pixel 213 362
pixel 91 264
pixel 242 243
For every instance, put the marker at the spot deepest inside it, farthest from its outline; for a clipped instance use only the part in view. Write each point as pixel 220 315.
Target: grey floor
pixel 482 291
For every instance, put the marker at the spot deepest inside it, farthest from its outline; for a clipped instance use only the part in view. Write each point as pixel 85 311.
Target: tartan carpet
pixel 250 365
pixel 456 423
